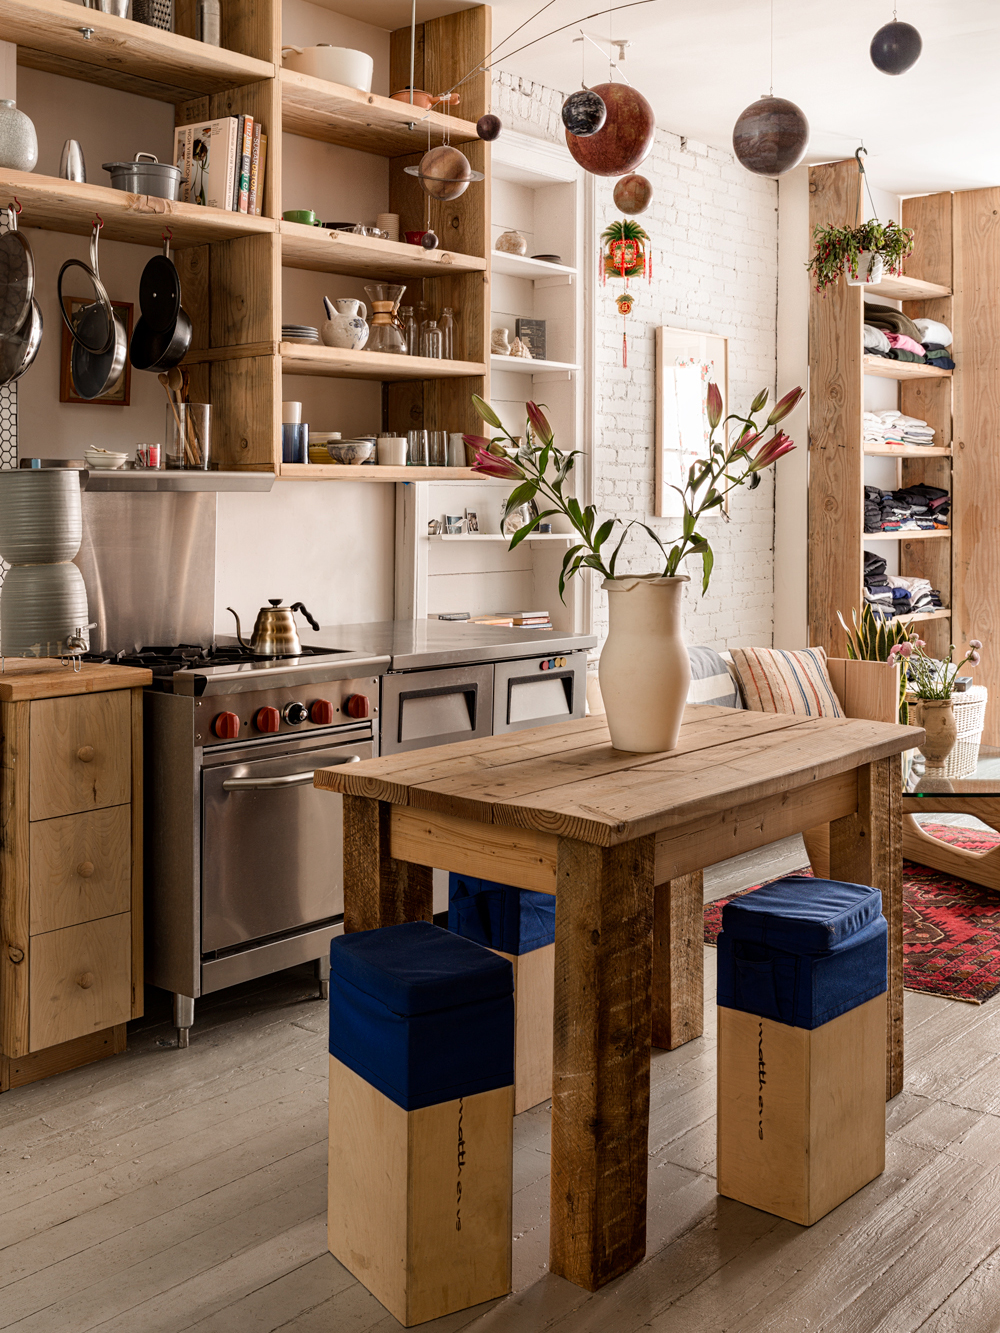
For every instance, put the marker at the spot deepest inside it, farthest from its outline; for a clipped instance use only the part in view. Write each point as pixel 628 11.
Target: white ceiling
pixel 701 63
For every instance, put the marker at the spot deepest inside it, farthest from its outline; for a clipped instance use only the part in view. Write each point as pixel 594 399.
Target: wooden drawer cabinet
pixel 80 980
pixel 70 864
pixel 81 866
pixel 81 753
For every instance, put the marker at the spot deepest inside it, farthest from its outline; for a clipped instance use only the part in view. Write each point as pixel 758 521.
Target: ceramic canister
pixel 42 608
pixel 18 142
pixel 40 515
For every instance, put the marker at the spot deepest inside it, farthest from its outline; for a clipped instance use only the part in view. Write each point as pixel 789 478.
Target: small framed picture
pixel 472 520
pixel 119 394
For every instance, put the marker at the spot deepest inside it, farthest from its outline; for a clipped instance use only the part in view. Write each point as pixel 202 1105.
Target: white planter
pixel 645 670
pixel 870 269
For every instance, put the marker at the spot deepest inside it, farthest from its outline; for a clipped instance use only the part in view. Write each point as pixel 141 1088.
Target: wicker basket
pixel 970 714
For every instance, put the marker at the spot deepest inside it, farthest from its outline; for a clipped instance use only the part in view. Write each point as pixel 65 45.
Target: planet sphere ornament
pixel 896 48
pixel 584 113
pixel 445 173
pixel 488 127
pixel 625 138
pixel 633 194
pixel 771 136
pixel 429 240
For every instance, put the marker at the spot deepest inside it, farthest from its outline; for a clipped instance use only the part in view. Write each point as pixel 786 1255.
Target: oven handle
pixel 291 780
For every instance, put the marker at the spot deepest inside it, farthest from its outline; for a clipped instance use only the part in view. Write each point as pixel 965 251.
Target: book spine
pixel 234 180
pixel 201 164
pixel 246 150
pixel 260 173
pixel 254 171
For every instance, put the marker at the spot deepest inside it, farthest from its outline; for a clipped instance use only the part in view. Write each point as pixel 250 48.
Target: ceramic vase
pixel 348 327
pixel 18 142
pixel 645 670
pixel 937 717
pixel 871 269
pixel 512 243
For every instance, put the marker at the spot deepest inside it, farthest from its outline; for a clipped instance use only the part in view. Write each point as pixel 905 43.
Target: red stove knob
pixel 226 726
pixel 321 712
pixel 267 719
pixel 357 705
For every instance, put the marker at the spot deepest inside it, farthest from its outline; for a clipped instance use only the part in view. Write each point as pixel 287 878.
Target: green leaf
pixel 604 532
pixel 520 495
pixel 707 561
pixel 485 411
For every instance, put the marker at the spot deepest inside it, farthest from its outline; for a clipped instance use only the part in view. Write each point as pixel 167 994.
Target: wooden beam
pixel 678 961
pixel 525 858
pixel 379 890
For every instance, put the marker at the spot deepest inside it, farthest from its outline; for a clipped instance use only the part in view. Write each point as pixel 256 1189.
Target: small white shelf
pixel 522 366
pixel 499 537
pixel 521 266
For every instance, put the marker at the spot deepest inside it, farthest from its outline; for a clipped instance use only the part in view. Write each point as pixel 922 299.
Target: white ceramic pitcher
pixel 347 325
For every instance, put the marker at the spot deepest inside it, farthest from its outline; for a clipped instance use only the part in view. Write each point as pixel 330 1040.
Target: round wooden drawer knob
pixel 85 754
pixel 86 980
pixel 85 869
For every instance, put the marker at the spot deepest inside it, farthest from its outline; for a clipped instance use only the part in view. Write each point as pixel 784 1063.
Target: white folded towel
pixel 933 332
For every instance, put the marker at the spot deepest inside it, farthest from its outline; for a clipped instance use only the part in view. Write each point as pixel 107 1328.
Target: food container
pixel 40 515
pixel 145 175
pixel 43 608
pixel 338 64
pixel 392 450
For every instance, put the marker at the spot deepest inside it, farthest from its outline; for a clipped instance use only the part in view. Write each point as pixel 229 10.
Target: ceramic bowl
pixel 351 451
pixel 104 458
pixel 338 64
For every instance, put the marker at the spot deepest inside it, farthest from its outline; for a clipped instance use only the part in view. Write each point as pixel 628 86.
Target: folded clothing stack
pixel 890 333
pixel 873 509
pixel 910 509
pixel 892 427
pixel 936 340
pixel 878 591
pixel 893 595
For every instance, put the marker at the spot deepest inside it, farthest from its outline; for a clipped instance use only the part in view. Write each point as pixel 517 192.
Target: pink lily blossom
pixel 783 406
pixel 491 465
pixel 477 441
pixel 539 424
pixel 770 452
pixel 713 405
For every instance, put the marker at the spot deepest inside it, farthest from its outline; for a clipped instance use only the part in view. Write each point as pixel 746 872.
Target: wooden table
pixel 557 809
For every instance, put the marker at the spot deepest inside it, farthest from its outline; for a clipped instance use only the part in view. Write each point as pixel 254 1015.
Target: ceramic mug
pixel 414 237
pixel 392 450
pixel 304 215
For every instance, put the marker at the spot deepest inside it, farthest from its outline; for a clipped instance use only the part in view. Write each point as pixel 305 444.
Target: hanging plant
pixel 624 249
pixel 839 249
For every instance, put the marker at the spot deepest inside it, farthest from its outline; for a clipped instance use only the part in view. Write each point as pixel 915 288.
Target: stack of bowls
pixel 43 605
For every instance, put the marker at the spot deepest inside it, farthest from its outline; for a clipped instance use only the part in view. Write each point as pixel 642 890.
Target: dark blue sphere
pixel 429 240
pixel 584 113
pixel 896 48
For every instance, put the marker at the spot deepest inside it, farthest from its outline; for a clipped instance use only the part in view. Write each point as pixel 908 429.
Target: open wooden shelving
pixel 902 370
pixel 922 617
pixel 907 450
pixel 364 472
pixel 309 359
pixel 912 535
pixel 906 288
pixel 325 251
pixel 522 266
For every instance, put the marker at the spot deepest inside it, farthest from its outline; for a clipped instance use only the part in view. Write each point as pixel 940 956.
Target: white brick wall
pixel 714 234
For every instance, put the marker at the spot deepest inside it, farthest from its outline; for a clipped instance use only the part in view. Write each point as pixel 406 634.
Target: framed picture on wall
pixel 686 363
pixel 120 392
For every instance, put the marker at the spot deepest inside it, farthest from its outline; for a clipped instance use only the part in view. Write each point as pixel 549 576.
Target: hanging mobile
pixel 772 134
pixel 896 47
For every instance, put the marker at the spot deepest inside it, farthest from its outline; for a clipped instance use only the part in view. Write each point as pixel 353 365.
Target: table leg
pixel 678 961
pixel 601 1027
pixel 867 848
pixel 378 890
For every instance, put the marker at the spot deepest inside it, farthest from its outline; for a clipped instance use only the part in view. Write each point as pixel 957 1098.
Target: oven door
pixel 272 845
pixel 422 708
pixel 535 691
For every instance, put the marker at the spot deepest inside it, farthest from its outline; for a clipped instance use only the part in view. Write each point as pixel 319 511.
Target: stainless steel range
pixel 243 857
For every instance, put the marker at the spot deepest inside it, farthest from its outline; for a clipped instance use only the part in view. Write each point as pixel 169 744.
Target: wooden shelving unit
pixel 906 288
pixel 907 451
pixel 340 472
pixel 325 251
pixel 902 370
pixel 910 536
pixel 308 359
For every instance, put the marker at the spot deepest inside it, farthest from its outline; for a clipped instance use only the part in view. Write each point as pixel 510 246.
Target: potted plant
pixel 931 683
pixel 863 254
pixel 644 669
pixel 873 639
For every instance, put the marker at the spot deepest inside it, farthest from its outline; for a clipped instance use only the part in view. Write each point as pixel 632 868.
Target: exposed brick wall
pixel 714 237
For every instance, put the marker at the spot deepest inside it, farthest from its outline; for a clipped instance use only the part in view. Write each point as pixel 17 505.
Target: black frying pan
pixel 163 332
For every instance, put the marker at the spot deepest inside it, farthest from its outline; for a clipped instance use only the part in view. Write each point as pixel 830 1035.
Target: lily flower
pixel 477 441
pixel 770 452
pixel 713 405
pixel 783 406
pixel 539 424
pixel 490 465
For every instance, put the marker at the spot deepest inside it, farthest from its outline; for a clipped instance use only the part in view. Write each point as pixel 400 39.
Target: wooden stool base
pixel 534 995
pixel 801 1114
pixel 420 1201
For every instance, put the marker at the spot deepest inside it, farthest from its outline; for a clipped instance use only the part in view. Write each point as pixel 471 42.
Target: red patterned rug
pixel 951 929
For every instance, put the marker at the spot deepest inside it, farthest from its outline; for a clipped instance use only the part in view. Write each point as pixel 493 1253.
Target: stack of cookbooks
pixel 518 619
pixel 222 163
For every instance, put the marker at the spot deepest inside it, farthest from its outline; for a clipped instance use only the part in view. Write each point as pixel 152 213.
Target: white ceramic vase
pixel 870 270
pixel 348 328
pixel 645 670
pixel 18 141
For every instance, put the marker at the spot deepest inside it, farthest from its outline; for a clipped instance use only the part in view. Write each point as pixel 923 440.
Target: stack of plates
pixel 549 259
pixel 299 333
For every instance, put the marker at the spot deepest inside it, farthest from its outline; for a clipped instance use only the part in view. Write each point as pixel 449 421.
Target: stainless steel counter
pixel 414 644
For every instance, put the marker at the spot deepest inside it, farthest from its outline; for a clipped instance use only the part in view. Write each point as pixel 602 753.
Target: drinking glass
pixel 417 447
pixel 189 435
pixel 438 448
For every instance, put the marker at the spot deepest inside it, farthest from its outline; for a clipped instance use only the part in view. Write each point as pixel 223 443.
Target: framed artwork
pixel 686 363
pixel 120 392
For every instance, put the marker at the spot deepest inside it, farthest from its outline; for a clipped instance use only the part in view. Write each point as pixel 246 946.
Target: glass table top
pixel 983 780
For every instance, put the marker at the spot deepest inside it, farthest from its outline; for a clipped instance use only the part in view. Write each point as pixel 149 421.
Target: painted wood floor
pixel 167 1190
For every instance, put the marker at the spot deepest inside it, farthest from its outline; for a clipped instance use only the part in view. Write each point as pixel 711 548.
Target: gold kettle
pixel 274 632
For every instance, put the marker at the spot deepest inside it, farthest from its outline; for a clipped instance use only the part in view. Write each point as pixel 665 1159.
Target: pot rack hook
pixel 17 205
pixel 98 221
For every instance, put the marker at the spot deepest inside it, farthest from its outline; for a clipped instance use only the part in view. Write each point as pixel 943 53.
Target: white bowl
pixel 338 64
pixel 104 459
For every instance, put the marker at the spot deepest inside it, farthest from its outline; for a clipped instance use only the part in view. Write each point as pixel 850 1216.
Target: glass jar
pixel 411 330
pixel 446 323
pixel 189 432
pixel 431 341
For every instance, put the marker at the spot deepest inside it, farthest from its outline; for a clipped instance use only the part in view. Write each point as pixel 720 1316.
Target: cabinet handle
pixel 85 754
pixel 85 869
pixel 86 980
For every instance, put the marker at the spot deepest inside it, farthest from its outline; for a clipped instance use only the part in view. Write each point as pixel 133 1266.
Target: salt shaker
pixel 208 22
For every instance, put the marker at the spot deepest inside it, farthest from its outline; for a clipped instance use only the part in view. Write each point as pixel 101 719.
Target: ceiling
pixel 933 128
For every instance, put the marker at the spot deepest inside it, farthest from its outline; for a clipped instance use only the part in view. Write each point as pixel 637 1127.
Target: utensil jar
pixel 188 438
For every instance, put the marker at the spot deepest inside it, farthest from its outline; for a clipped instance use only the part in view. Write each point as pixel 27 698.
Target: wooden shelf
pixel 499 537
pixel 332 113
pixel 325 251
pixel 901 370
pixel 342 472
pixel 521 266
pixel 522 366
pixel 906 289
pixel 59 205
pixel 907 451
pixel 918 616
pixel 309 359
pixel 914 535
pixel 121 53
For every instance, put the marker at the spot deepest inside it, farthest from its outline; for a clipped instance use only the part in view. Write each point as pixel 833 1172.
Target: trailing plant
pixel 873 639
pixel 840 247
pixel 931 679
pixel 737 459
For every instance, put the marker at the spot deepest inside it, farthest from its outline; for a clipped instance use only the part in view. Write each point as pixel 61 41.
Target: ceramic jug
pixel 347 325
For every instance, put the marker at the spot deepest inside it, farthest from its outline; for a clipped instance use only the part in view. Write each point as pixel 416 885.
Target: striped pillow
pixel 776 680
pixel 711 681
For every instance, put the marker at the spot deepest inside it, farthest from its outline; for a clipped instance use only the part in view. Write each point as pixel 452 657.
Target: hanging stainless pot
pixel 17 277
pixel 100 338
pixel 19 349
pixel 274 633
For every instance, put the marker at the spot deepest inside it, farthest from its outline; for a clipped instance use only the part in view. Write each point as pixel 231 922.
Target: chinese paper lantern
pixel 771 136
pixel 625 138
